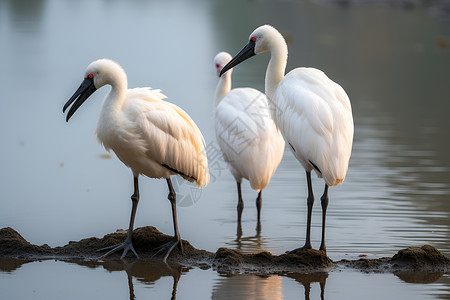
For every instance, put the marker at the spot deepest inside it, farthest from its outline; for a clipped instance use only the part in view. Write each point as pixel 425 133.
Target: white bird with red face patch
pixel 152 137
pixel 246 133
pixel 313 113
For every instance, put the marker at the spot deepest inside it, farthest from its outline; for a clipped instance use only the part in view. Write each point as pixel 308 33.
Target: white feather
pixel 315 117
pixel 245 131
pixel 149 134
pixel 313 113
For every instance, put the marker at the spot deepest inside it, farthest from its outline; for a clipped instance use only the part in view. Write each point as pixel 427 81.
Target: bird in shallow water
pixel 313 113
pixel 152 137
pixel 246 134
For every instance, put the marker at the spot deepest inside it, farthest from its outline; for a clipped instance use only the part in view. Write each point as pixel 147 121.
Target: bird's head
pixel 97 74
pixel 221 60
pixel 262 39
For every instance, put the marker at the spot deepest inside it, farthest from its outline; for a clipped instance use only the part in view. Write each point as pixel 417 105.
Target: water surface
pixel 153 280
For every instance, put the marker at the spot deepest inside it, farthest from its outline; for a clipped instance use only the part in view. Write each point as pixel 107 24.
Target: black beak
pixel 246 52
pixel 86 89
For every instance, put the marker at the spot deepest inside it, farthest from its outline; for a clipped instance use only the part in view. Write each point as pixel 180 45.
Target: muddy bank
pixel 413 259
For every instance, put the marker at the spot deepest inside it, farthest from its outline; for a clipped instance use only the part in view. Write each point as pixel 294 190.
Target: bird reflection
pixel 144 271
pixel 249 243
pixel 307 279
pixel 247 286
pixel 147 272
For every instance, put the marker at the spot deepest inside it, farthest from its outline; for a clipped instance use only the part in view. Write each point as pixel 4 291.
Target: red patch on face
pixel 253 39
pixel 90 76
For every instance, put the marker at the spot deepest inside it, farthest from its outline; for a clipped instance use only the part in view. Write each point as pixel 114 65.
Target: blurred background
pixel 58 184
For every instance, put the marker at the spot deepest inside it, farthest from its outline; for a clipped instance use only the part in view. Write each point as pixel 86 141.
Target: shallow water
pixel 152 280
pixel 57 184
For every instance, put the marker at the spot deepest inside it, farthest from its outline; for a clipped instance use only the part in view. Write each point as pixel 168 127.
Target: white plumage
pixel 312 112
pixel 151 133
pixel 152 137
pixel 246 133
pixel 315 116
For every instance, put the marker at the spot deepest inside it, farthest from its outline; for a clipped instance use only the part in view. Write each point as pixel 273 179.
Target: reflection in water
pixel 143 274
pixel 10 265
pixel 248 244
pixel 248 286
pixel 307 279
pixel 147 272
pixel 419 276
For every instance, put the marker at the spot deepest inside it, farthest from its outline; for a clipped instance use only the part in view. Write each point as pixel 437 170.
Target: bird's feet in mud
pixel 305 247
pixel 167 248
pixel 126 246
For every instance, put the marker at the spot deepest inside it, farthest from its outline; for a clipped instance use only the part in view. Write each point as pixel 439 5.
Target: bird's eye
pixel 217 66
pixel 90 75
pixel 253 39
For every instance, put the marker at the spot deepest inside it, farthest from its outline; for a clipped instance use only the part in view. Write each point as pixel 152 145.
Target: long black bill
pixel 246 52
pixel 86 89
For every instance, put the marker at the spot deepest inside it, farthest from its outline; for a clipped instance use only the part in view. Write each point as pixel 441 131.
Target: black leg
pixel 310 202
pixel 128 244
pixel 135 201
pixel 168 248
pixel 324 201
pixel 258 205
pixel 173 201
pixel 240 206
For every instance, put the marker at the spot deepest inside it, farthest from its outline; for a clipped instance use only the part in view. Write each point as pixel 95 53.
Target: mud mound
pixel 227 260
pixel 413 259
pixel 12 244
pixel 307 257
pixel 425 257
pixel 146 239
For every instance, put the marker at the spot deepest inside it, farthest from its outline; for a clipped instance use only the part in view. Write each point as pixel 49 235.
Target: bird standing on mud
pixel 150 136
pixel 312 112
pixel 246 133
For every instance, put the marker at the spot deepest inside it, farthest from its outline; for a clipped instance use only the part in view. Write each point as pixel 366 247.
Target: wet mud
pixel 414 264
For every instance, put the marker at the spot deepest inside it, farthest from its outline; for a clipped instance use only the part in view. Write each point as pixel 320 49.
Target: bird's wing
pixel 247 135
pixel 238 124
pixel 314 114
pixel 170 136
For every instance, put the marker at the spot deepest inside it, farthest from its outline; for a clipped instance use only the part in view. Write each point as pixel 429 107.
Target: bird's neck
pixel 116 98
pixel 277 65
pixel 111 111
pixel 223 87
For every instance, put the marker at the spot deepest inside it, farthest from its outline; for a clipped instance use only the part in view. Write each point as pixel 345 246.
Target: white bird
pixel 313 113
pixel 152 137
pixel 246 134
